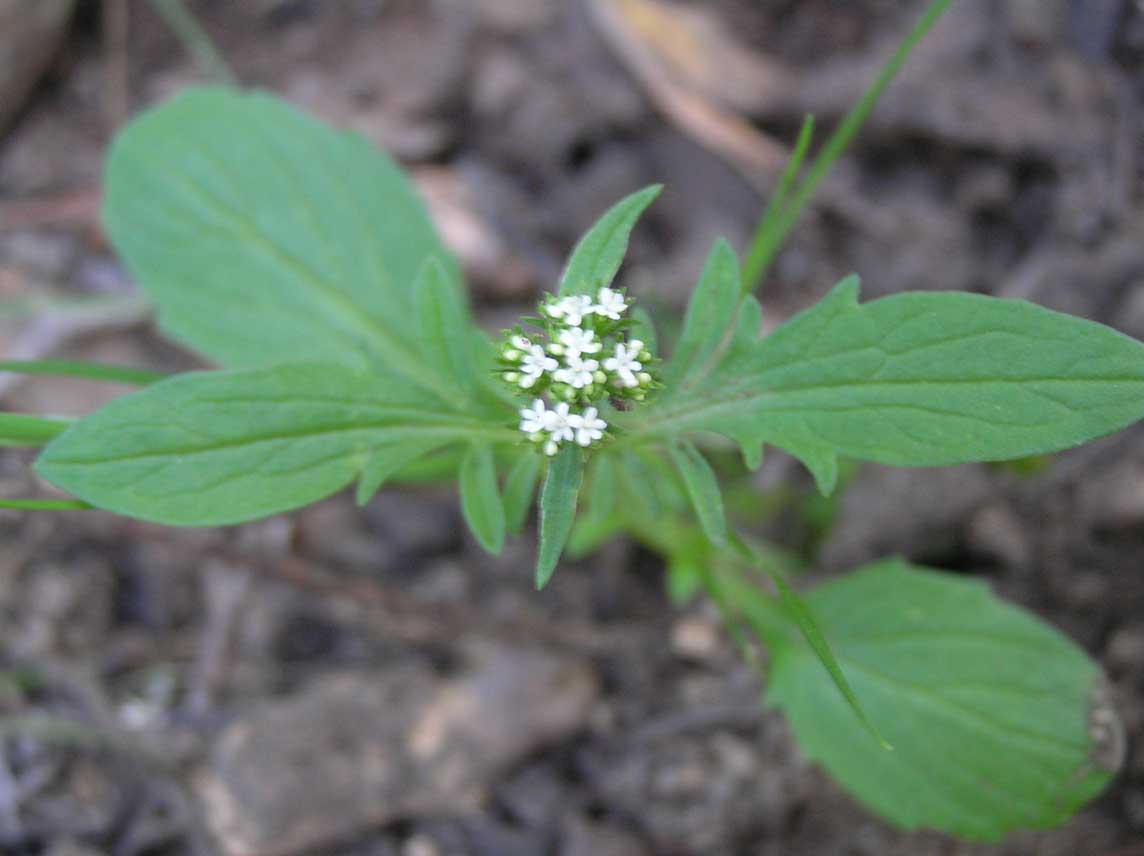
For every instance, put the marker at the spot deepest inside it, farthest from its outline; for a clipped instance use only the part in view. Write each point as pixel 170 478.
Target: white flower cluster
pixel 581 358
pixel 561 424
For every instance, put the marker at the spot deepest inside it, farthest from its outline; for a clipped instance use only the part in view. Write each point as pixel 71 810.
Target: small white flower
pixel 577 372
pixel 610 304
pixel 577 341
pixel 534 419
pixel 535 364
pixel 551 448
pixel 521 343
pixel 625 364
pixel 589 426
pixel 558 423
pixel 571 309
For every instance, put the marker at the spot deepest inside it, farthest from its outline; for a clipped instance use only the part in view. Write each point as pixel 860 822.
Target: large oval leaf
pixel 266 237
pixel 212 448
pixel 989 710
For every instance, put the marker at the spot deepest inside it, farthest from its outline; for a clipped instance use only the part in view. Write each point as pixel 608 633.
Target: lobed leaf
pixel 212 448
pixel 557 509
pixel 989 710
pixel 918 379
pixel 599 253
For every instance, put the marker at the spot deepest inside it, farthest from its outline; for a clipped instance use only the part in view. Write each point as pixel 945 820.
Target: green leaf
pixel 702 489
pixel 919 379
pixel 643 328
pixel 265 237
pixel 748 324
pixel 689 556
pixel 775 226
pixel 388 460
pixel 761 614
pixel 709 314
pixel 480 500
pixel 638 482
pixel 445 326
pixel 212 448
pixel 602 490
pixel 17 429
pixel 43 504
pixel 518 490
pixel 990 711
pixel 768 235
pixel 557 509
pixel 598 255
pixel 87 371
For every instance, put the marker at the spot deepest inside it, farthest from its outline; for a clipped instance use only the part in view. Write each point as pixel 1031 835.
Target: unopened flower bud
pixel 644 378
pixel 511 354
pixel 512 377
pixel 599 377
pixel 556 349
pixel 550 448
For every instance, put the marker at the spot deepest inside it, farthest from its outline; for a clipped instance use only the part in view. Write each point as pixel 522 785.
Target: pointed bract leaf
pixel 480 500
pixel 598 255
pixel 212 448
pixel 918 379
pixel 990 711
pixel 386 461
pixel 265 237
pixel 756 605
pixel 519 488
pixel 710 312
pixel 702 488
pixel 557 509
pixel 602 490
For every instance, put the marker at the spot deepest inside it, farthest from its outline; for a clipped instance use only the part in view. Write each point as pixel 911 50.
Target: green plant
pixel 300 261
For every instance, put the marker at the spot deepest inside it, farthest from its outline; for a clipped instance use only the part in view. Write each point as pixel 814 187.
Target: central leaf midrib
pixel 718 402
pixel 458 430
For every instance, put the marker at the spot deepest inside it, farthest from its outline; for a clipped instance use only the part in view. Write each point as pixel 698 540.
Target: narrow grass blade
pixel 19 430
pixel 760 248
pixel 770 235
pixel 44 504
pixel 86 371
